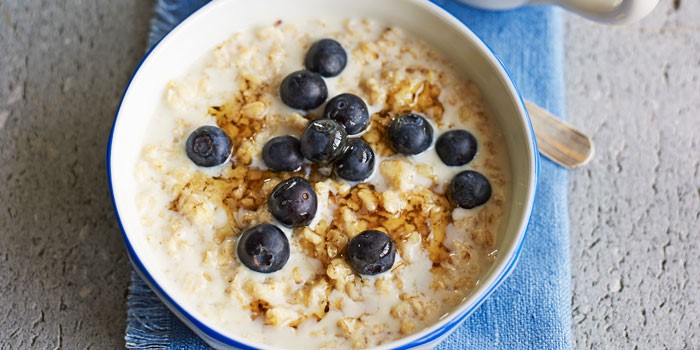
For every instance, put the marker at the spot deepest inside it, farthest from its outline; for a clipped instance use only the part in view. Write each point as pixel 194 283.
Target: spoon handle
pixel 559 141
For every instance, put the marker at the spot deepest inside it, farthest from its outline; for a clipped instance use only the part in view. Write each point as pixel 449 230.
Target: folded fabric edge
pixel 148 323
pixel 166 15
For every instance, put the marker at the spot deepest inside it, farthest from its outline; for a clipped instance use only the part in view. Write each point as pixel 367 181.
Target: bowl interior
pixel 200 33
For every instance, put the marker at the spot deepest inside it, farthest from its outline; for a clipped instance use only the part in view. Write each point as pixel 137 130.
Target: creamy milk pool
pixel 194 215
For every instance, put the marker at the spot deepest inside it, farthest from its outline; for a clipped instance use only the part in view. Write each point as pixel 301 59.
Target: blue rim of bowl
pixel 220 338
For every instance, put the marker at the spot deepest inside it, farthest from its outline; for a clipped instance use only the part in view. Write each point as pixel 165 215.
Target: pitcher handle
pixel 615 12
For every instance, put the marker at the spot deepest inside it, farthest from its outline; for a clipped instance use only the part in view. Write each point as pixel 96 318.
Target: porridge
pixel 304 192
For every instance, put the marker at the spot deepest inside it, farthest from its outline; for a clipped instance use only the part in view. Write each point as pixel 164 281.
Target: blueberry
pixel 326 57
pixel 469 189
pixel 357 163
pixel 303 90
pixel 208 146
pixel 293 202
pixel 410 134
pixel 348 110
pixel 263 248
pixel 456 147
pixel 371 252
pixel 282 153
pixel 323 141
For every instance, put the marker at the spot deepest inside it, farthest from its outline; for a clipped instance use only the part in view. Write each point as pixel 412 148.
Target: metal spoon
pixel 559 141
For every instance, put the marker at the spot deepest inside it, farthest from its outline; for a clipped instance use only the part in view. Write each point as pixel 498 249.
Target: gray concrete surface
pixel 634 210
pixel 63 268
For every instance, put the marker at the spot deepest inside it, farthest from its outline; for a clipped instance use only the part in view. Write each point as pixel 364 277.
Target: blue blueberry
pixel 469 189
pixel 326 57
pixel 208 146
pixel 263 248
pixel 357 163
pixel 371 252
pixel 410 134
pixel 303 90
pixel 456 147
pixel 282 153
pixel 293 202
pixel 323 141
pixel 348 110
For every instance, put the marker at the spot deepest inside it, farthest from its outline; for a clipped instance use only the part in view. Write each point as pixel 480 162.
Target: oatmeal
pixel 315 295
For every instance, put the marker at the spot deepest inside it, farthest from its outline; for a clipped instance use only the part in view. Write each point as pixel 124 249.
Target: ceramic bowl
pixel 214 23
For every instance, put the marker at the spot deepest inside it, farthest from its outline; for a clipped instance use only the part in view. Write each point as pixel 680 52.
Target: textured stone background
pixel 634 210
pixel 63 267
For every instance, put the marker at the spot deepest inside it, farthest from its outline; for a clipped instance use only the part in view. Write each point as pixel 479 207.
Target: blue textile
pixel 531 310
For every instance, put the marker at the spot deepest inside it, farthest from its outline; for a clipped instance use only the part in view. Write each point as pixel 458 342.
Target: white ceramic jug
pixel 606 11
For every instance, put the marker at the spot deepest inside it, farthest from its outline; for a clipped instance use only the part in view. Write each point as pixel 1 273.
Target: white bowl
pixel 215 22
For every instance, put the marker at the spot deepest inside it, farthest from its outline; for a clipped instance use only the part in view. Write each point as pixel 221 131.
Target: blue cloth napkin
pixel 532 309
